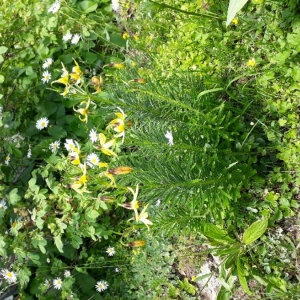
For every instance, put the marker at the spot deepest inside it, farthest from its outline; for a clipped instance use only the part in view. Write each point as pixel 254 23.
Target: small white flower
pixel 29 153
pixel 9 276
pixel 48 260
pixel 67 273
pixel 42 123
pixel 54 7
pixel 92 159
pixel 7 159
pixel 117 270
pixel 251 123
pixel 54 146
pixel 101 286
pixel 46 76
pixel 47 63
pixel 75 39
pixel 3 204
pixel 47 283
pixel 93 136
pixel 157 202
pixel 57 283
pixel 69 145
pixel 115 5
pixel 110 251
pixel 67 37
pixel 169 136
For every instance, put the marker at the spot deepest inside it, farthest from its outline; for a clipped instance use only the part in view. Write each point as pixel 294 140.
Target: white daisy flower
pixel 115 5
pixel 70 145
pixel 101 286
pixel 54 146
pixel 47 63
pixel 42 123
pixel 93 136
pixel 67 273
pixel 57 283
pixel 3 204
pixel 169 136
pixel 47 283
pixel 7 159
pixel 46 76
pixel 75 39
pixel 110 251
pixel 92 159
pixel 54 7
pixel 10 277
pixel 67 37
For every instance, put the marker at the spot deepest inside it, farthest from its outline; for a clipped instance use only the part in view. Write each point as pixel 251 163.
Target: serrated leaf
pixel 13 196
pixel 255 231
pixel 58 243
pixel 216 234
pixel 234 7
pixel 91 214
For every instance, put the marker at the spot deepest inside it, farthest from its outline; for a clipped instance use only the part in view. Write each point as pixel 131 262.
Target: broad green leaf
pixel 255 231
pixel 1 78
pixel 3 49
pixel 234 7
pixel 91 214
pixel 57 132
pixel 87 6
pixel 13 196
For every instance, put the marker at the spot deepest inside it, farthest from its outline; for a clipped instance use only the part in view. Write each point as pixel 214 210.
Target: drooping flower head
pixel 118 124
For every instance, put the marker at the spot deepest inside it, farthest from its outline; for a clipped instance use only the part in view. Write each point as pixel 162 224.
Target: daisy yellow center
pixel 9 274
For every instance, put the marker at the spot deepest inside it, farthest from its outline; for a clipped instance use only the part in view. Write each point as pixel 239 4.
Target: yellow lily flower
pixel 106 174
pixel 139 243
pixel 134 204
pixel 74 155
pixel 104 146
pixel 117 65
pixel 143 217
pixel 80 184
pixel 83 111
pixel 76 74
pixel 118 124
pixel 120 170
pixel 64 79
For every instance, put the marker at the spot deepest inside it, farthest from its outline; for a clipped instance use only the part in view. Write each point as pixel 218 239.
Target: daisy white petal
pixel 42 123
pixel 101 286
pixel 57 283
pixel 93 136
pixel 46 76
pixel 75 39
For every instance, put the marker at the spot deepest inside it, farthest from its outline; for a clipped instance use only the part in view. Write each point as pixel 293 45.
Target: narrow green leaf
pixel 255 231
pixel 242 278
pixel 58 243
pixel 234 7
pixel 209 91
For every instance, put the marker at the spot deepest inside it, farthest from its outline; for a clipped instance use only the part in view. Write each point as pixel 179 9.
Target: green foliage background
pixel 230 180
